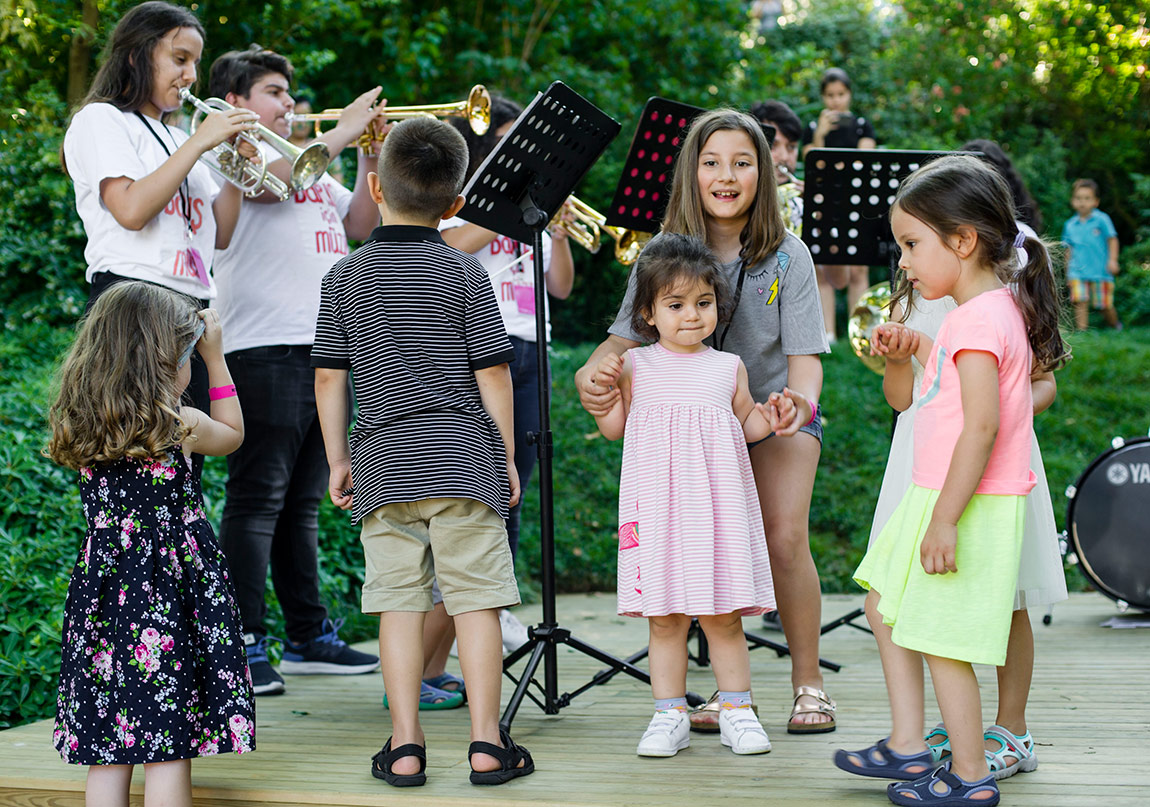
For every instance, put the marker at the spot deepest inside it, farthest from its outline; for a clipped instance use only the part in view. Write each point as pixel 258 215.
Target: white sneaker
pixel 514 631
pixel 741 731
pixel 667 734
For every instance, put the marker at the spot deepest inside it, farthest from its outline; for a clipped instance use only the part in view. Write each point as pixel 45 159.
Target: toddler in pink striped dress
pixel 691 541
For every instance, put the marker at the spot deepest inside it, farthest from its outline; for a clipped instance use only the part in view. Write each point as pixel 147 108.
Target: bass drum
pixel 1108 522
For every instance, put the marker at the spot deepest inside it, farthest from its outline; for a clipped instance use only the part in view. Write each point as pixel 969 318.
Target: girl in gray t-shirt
pixel 723 191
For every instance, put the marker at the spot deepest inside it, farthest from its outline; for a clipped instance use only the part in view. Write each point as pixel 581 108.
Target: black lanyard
pixel 734 306
pixel 185 192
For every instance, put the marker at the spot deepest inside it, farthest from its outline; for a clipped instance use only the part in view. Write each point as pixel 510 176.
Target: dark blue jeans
pixel 275 483
pixel 525 384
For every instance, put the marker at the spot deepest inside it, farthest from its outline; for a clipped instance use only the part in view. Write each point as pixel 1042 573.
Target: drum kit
pixel 1108 523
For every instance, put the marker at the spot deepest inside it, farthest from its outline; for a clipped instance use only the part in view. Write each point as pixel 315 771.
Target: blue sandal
pixel 448 683
pixel 943 789
pixel 879 761
pixel 432 699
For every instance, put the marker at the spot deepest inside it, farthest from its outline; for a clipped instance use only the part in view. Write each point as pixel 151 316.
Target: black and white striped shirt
pixel 413 319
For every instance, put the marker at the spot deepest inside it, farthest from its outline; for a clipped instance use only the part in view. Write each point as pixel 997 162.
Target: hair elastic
pixel 1020 240
pixel 219 393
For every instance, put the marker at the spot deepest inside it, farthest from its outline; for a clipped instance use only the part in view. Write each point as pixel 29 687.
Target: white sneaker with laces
pixel 741 731
pixel 514 631
pixel 667 734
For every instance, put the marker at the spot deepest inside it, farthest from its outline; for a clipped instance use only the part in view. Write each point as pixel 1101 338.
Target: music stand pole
pixel 516 192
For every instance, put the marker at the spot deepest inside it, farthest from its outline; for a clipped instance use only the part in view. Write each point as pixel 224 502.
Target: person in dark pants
pixel 269 283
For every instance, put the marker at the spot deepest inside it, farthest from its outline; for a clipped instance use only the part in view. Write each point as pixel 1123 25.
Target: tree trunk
pixel 80 54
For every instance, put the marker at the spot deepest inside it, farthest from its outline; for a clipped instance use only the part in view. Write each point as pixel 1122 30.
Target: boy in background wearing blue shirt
pixel 1092 256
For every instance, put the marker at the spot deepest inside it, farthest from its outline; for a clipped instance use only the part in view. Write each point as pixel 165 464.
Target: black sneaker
pixel 326 654
pixel 265 680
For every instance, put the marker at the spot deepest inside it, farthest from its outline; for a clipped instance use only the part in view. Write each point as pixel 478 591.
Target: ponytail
pixel 1037 297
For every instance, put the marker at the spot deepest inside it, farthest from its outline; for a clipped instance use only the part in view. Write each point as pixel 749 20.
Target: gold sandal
pixel 705 718
pixel 823 706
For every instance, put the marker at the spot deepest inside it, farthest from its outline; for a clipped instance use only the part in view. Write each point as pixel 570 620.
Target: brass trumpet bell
pixel 588 226
pixel 871 310
pixel 476 108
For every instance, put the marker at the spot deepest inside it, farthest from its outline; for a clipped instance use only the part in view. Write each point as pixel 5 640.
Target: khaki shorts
pixel 468 541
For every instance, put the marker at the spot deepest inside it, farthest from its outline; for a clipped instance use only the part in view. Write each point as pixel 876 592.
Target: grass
pixel 1105 392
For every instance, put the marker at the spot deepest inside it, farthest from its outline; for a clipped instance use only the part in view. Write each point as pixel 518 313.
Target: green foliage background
pixel 1060 83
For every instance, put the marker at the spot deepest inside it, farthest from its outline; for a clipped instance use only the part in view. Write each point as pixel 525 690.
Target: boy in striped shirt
pixel 417 326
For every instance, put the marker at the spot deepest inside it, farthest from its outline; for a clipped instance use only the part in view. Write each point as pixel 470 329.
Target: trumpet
pixel 871 310
pixel 588 226
pixel 252 176
pixel 476 108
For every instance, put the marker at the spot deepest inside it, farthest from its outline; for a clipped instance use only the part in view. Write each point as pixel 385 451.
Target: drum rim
pixel 1072 532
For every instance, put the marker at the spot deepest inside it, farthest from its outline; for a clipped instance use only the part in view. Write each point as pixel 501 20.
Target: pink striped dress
pixel 691 535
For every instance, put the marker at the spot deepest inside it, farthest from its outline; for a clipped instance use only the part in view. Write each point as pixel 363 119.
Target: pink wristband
pixel 218 393
pixel 814 411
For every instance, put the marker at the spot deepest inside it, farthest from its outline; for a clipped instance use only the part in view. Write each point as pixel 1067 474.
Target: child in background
pixel 431 452
pixel 1040 578
pixel 1092 256
pixel 153 670
pixel 838 128
pixel 691 540
pixel 943 572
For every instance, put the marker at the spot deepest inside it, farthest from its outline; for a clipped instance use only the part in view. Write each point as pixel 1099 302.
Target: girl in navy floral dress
pixel 153 669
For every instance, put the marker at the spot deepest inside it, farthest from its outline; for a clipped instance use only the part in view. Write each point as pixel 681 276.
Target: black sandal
pixel 509 756
pixel 381 765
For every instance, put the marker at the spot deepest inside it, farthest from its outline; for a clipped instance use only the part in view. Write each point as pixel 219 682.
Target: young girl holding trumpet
pixel 151 210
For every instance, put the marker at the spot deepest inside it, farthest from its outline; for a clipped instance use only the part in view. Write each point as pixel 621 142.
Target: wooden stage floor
pixel 1089 713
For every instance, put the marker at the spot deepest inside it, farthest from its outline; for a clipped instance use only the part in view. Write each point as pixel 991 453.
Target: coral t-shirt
pixel 992 323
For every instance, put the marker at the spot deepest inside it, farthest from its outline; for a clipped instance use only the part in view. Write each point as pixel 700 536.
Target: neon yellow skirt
pixel 963 615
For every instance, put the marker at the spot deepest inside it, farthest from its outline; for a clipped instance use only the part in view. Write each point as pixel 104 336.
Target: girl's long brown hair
pixel 124 79
pixel 764 231
pixel 118 392
pixel 962 191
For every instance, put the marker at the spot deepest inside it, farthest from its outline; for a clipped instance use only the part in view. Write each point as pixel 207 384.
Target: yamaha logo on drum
pixel 1119 473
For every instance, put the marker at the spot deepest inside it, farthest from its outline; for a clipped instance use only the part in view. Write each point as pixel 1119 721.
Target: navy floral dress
pixel 153 666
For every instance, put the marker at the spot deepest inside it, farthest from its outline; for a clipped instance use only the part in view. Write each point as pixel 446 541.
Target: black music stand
pixel 846 206
pixel 516 192
pixel 640 203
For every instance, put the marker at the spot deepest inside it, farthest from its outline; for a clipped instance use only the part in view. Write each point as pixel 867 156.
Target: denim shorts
pixel 814 428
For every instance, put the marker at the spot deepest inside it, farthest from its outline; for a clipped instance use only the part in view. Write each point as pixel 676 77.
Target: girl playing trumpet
pixel 150 209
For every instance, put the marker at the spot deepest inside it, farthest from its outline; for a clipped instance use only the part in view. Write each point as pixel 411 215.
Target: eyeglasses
pixel 187 354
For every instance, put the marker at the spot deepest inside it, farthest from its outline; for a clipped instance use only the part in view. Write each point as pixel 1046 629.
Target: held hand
pixel 791 411
pixel 938 548
pixel 513 481
pixel 596 399
pixel 211 344
pixel 339 485
pixel 223 125
pixel 608 370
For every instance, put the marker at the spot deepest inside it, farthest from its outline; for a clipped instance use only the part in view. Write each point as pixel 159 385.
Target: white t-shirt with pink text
pixel 270 274
pixel 513 282
pixel 992 323
pixel 103 142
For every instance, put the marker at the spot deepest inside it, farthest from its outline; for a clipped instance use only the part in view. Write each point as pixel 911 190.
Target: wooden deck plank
pixel 1089 713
